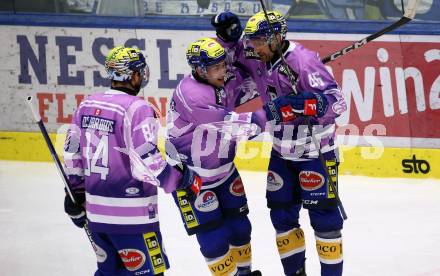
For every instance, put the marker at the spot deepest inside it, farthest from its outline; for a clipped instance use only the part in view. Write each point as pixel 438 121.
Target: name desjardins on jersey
pixel 97 123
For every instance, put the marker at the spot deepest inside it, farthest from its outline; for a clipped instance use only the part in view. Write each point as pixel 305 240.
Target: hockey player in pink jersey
pixel 296 175
pixel 114 167
pixel 202 133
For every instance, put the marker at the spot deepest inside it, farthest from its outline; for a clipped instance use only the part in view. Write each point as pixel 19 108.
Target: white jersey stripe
pixel 120 219
pixel 120 107
pixel 121 202
pixel 212 172
pixel 102 107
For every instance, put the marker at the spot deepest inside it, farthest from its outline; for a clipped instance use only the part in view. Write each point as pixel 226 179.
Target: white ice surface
pixel 393 228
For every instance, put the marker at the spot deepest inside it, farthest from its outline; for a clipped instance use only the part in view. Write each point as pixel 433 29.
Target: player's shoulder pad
pixel 301 57
pixel 195 93
pixel 141 107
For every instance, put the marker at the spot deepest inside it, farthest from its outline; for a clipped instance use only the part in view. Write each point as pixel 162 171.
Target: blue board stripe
pixel 203 23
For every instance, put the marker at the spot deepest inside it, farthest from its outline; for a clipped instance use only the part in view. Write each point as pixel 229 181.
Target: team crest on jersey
pixel 133 259
pixel 274 181
pixel 310 180
pixel 132 191
pixel 98 112
pixel 236 188
pixel 206 202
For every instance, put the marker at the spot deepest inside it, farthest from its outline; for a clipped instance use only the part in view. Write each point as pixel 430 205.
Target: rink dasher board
pixel 393 82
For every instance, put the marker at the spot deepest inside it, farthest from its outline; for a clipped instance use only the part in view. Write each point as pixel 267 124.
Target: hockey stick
pixel 293 80
pixel 407 17
pixel 57 161
pixel 49 144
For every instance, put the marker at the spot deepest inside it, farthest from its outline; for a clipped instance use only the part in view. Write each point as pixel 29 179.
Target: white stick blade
pixel 32 107
pixel 411 8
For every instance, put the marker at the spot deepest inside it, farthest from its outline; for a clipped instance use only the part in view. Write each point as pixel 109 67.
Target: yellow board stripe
pixel 368 161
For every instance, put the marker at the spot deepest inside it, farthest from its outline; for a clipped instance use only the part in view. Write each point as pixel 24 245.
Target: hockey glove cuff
pixel 285 108
pixel 76 211
pixel 309 104
pixel 191 183
pixel 280 110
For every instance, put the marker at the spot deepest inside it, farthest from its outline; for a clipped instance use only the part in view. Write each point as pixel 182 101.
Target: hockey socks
pixel 291 247
pixel 222 266
pixel 330 255
pixel 242 257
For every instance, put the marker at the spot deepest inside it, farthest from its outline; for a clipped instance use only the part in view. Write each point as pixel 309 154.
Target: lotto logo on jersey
pixel 274 181
pixel 237 187
pixel 133 259
pixel 310 180
pixel 310 108
pixel 206 202
pixel 287 113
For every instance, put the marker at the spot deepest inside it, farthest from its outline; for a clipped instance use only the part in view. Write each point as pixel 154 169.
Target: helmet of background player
pixel 122 62
pixel 258 27
pixel 227 26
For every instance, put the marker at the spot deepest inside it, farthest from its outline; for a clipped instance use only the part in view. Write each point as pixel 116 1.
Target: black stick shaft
pixel 57 161
pixel 51 148
pixel 362 42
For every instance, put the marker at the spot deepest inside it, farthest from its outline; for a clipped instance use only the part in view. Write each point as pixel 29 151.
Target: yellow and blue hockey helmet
pixel 204 52
pixel 257 25
pixel 121 62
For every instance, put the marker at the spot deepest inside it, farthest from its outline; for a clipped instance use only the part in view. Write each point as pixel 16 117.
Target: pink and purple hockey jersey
pixel 111 151
pixel 292 140
pixel 203 129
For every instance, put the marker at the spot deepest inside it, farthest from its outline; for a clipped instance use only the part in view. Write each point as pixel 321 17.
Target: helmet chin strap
pixel 270 41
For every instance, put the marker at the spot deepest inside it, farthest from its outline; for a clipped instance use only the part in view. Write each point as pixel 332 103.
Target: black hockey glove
pixel 227 26
pixel 204 4
pixel 285 108
pixel 191 183
pixel 76 211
